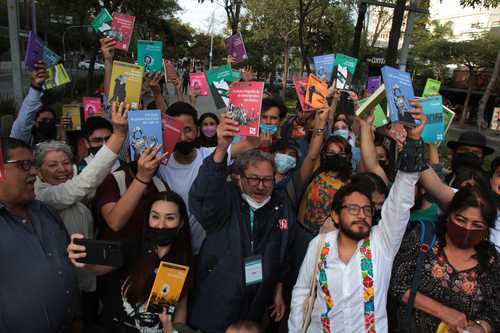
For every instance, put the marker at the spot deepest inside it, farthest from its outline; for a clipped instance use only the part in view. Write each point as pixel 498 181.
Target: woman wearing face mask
pixel 459 284
pixel 166 238
pixel 334 171
pixel 208 130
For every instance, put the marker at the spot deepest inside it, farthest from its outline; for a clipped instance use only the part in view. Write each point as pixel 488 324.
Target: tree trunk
pixel 467 97
pixel 301 36
pixel 391 56
pixel 359 29
pixel 285 74
pixel 487 93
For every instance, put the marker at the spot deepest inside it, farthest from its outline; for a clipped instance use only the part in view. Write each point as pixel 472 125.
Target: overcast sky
pixel 198 15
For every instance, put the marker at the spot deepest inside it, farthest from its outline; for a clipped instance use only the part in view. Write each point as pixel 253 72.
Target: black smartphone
pixel 100 252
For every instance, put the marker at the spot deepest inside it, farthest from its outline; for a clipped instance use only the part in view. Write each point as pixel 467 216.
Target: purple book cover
pixel 34 51
pixel 373 83
pixel 236 48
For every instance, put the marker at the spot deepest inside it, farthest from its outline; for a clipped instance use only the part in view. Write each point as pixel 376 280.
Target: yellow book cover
pixel 167 287
pixel 56 76
pixel 72 111
pixel 316 92
pixel 126 83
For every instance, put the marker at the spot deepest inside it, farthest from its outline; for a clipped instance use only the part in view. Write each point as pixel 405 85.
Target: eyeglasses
pixel 254 181
pixel 463 221
pixel 99 140
pixel 25 165
pixel 356 209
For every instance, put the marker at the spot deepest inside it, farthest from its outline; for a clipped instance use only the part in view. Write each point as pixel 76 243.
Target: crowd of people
pixel 319 224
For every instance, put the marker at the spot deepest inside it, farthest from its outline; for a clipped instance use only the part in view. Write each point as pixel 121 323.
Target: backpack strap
pixel 427 239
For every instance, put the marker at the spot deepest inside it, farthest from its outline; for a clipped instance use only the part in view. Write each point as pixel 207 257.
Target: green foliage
pixel 480 3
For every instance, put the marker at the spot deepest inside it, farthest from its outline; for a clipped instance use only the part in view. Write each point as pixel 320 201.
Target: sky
pixel 198 15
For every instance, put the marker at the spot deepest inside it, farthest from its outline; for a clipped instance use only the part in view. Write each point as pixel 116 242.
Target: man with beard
pixel 352 263
pixel 35 122
pixel 37 279
pixel 468 151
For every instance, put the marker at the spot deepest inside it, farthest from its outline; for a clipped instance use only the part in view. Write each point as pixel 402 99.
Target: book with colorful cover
pixel 124 26
pixel 149 55
pixel 50 58
pixel 300 90
pixel 172 130
pixel 236 74
pixel 431 88
pixel 72 111
pixel 56 76
pixel 145 131
pixel 379 115
pixel 198 82
pixel 126 83
pixel 169 70
pixel 316 92
pixel 167 288
pixel 218 79
pixel 323 66
pixel 245 102
pixel 434 128
pixel 34 51
pixel 495 119
pixel 399 92
pixel 448 116
pixel 102 22
pixel 373 83
pixel 91 107
pixel 368 104
pixel 345 67
pixel 236 48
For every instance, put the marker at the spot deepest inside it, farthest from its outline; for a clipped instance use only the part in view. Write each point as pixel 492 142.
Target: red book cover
pixel 300 90
pixel 91 107
pixel 2 165
pixel 171 134
pixel 170 71
pixel 124 25
pixel 198 82
pixel 245 101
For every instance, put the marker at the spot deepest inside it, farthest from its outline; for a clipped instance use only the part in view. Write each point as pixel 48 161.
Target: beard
pixel 355 235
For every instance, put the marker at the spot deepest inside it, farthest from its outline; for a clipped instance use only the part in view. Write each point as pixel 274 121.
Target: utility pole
pixel 15 56
pixel 33 16
pixel 407 37
pixel 211 30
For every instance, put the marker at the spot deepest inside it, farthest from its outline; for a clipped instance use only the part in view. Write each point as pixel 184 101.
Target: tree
pixel 391 56
pixel 384 16
pixel 201 45
pixel 233 12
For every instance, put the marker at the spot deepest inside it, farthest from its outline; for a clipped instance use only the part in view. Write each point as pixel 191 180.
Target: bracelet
pixel 141 181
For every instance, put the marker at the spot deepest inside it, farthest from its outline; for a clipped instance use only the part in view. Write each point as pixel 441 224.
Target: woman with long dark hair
pixel 166 238
pixel 208 130
pixel 459 283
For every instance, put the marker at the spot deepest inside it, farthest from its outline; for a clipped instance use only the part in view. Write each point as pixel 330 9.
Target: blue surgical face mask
pixel 342 132
pixel 284 162
pixel 271 129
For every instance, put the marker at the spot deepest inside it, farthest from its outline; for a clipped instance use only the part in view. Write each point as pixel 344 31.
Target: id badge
pixel 253 270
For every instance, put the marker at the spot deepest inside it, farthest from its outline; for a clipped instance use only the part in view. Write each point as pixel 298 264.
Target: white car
pixel 85 64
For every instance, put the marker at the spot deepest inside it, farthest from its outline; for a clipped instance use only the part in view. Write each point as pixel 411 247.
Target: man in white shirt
pixel 351 265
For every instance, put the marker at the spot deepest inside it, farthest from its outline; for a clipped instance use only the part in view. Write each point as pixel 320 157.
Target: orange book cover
pixel 167 287
pixel 316 92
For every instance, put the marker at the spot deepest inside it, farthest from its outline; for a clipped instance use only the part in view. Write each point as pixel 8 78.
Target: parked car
pixel 85 64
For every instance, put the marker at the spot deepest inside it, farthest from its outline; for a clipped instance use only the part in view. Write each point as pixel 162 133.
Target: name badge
pixel 253 270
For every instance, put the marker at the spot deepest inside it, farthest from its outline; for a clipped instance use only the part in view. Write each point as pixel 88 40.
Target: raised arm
pixel 108 52
pixel 21 129
pixel 152 80
pixel 368 151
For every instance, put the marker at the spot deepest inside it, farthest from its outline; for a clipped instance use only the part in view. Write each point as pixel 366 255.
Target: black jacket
pixel 221 297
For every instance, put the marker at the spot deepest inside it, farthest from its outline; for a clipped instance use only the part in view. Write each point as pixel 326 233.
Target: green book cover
pixel 448 116
pixel 431 88
pixel 56 76
pixel 343 72
pixel 379 116
pixel 102 22
pixel 149 55
pixel 236 75
pixel 219 79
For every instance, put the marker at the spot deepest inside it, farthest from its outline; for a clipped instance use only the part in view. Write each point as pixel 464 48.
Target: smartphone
pixel 100 252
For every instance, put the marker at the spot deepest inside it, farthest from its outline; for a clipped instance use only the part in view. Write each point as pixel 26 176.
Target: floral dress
pixel 474 292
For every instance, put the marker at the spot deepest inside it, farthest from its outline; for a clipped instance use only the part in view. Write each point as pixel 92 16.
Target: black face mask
pixel 46 130
pixel 184 147
pixel 161 237
pixel 466 160
pixel 335 163
pixel 94 150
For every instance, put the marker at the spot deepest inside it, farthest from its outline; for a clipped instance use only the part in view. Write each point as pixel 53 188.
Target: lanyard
pixel 252 220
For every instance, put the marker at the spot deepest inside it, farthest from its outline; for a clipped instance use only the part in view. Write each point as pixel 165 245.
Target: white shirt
pixel 344 280
pixel 495 232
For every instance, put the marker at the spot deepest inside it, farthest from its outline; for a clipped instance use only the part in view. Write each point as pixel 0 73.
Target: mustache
pixel 363 222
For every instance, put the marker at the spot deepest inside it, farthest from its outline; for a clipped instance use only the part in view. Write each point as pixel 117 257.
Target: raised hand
pixel 247 74
pixel 230 60
pixel 226 131
pixel 107 48
pixel 39 75
pixel 148 164
pixel 152 81
pixel 418 114
pixel 119 118
pixel 76 252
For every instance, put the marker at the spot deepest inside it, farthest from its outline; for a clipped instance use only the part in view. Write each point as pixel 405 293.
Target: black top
pixel 473 292
pixel 37 281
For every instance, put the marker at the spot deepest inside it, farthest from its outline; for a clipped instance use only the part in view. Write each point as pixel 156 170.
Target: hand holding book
pixel 107 48
pixel 38 75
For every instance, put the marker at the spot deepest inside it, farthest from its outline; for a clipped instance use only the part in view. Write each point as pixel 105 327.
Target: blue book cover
pixel 323 67
pixel 399 92
pixel 433 109
pixel 50 58
pixel 149 55
pixel 145 130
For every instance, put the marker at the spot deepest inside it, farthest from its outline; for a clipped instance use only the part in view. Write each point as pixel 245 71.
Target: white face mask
pixel 254 204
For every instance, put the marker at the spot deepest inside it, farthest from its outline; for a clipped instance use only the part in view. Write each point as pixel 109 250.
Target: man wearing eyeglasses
pixel 346 272
pixel 37 280
pixel 249 231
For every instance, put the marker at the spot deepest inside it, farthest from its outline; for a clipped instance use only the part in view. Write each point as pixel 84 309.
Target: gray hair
pixel 252 157
pixel 43 148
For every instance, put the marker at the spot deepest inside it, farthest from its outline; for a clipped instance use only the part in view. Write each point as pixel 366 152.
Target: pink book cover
pixel 124 24
pixel 300 89
pixel 171 135
pixel 91 107
pixel 245 101
pixel 198 82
